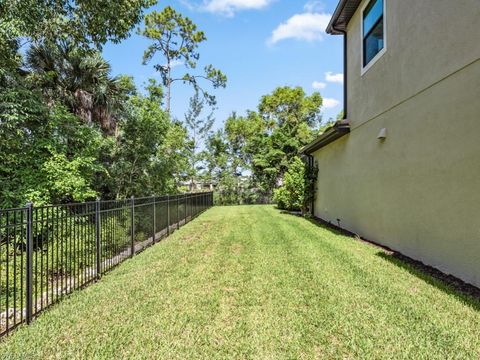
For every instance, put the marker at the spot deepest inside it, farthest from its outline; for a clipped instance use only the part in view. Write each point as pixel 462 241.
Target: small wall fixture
pixel 382 135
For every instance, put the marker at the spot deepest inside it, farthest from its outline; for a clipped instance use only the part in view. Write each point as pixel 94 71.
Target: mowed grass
pixel 252 283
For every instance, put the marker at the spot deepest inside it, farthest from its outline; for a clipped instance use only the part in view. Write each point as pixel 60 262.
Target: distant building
pixel 196 185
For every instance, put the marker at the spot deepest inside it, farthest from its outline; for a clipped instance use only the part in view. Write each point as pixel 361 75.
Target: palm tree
pixel 80 79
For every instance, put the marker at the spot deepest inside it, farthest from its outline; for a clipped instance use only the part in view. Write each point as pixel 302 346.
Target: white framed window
pixel 374 42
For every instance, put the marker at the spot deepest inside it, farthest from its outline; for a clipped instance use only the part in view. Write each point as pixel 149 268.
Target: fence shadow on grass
pixel 466 293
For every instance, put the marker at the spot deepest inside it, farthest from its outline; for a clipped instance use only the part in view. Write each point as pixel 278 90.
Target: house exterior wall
pixel 426 41
pixel 418 191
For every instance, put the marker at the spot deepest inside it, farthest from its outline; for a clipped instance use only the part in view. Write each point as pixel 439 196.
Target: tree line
pixel 70 131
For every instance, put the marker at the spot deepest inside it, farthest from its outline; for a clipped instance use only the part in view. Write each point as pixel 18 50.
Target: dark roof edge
pixel 339 129
pixel 341 16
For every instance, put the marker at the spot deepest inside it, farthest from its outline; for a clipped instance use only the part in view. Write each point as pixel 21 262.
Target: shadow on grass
pixel 466 293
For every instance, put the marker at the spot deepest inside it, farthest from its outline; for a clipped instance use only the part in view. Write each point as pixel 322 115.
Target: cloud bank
pixel 230 7
pixel 334 78
pixel 306 26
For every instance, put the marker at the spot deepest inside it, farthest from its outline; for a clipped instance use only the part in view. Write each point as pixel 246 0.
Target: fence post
pixel 168 214
pixel 97 238
pixel 185 208
pixel 178 212
pixel 132 226
pixel 29 264
pixel 154 221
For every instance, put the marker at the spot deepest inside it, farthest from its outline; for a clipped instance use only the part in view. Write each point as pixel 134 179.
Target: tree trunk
pixel 169 85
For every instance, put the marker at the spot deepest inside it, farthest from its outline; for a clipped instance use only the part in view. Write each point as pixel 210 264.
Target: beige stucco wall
pixel 418 191
pixel 426 41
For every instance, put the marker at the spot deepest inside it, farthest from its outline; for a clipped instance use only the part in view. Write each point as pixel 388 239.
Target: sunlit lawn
pixel 251 282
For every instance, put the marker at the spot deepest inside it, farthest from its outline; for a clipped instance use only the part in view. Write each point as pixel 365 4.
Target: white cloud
pixel 230 7
pixel 318 85
pixel 190 5
pixel 329 103
pixel 306 26
pixel 335 78
pixel 314 6
pixel 176 63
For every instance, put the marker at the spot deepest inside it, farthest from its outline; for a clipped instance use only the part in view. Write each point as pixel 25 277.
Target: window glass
pixel 373 30
pixel 373 43
pixel 372 13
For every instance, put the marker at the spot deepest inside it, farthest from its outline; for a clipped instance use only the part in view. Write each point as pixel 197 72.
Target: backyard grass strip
pixel 250 282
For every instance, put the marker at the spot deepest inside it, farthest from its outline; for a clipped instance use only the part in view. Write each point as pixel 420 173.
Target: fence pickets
pixel 49 251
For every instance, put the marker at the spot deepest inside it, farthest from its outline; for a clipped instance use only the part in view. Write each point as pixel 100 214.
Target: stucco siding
pixel 418 191
pixel 426 41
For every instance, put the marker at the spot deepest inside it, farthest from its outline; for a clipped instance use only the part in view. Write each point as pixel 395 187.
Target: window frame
pixel 365 68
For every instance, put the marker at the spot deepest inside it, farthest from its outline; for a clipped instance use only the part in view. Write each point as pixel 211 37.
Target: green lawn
pixel 250 282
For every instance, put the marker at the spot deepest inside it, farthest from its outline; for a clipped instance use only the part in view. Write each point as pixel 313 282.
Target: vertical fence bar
pixel 168 214
pixel 97 239
pixel 154 221
pixel 178 212
pixel 29 264
pixel 185 208
pixel 132 212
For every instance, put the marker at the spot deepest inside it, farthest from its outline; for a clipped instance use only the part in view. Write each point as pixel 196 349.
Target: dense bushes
pixel 297 191
pixel 51 155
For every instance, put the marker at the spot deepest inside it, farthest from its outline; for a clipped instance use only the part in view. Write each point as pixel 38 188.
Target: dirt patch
pixel 237 249
pixel 192 237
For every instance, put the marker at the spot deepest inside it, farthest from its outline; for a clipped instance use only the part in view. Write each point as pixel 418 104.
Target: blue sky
pixel 258 44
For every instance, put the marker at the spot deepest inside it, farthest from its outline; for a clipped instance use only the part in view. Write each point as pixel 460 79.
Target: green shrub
pixel 297 190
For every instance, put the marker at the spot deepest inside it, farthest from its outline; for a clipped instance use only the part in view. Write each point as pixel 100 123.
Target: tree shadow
pixel 462 291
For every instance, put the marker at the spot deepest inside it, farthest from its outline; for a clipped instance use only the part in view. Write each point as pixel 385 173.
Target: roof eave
pixel 339 129
pixel 341 17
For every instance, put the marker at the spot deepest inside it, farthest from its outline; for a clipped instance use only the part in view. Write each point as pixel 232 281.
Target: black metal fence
pixel 49 251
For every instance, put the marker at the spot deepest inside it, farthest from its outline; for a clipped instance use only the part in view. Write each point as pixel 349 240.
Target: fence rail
pixel 47 252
